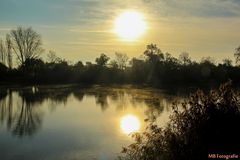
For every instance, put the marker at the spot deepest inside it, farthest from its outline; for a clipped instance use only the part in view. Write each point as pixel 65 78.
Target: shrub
pixel 204 124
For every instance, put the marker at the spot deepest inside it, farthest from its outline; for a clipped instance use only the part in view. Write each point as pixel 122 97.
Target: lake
pixel 65 122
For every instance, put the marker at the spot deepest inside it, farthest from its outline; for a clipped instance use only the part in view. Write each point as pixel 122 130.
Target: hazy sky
pixel 82 29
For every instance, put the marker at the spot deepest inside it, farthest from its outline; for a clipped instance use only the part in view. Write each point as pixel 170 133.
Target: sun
pixel 129 124
pixel 130 25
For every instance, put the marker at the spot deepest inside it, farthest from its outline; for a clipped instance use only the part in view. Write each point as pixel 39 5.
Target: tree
pixel 2 52
pixel 52 57
pixel 88 64
pixel 153 53
pixel 9 51
pixel 227 62
pixel 6 51
pixel 3 69
pixel 113 64
pixel 121 60
pixel 208 60
pixel 32 67
pixel 237 55
pixel 171 63
pixel 138 70
pixel 79 64
pixel 26 44
pixel 102 60
pixel 27 120
pixel 184 58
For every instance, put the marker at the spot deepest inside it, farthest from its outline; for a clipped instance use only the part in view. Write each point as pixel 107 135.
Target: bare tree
pixel 52 57
pixel 9 51
pixel 237 55
pixel 2 52
pixel 121 60
pixel 26 44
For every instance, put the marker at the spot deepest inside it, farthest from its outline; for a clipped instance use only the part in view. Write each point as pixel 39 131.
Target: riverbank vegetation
pixel 204 125
pixel 155 67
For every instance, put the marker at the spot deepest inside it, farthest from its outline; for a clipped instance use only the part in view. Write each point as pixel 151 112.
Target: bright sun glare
pixel 130 25
pixel 130 124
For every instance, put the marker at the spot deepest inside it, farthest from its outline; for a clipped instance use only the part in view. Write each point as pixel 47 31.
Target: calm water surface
pixel 56 123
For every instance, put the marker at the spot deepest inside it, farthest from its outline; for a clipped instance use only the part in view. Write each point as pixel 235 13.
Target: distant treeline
pixel 155 68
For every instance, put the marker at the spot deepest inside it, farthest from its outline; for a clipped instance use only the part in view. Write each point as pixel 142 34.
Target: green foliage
pixel 204 124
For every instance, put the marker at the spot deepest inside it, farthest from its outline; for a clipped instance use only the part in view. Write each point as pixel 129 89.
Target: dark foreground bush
pixel 203 125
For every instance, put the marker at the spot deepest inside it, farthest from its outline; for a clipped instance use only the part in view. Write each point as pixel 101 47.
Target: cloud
pixel 72 27
pixel 196 8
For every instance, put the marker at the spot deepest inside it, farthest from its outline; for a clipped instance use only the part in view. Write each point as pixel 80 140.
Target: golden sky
pixel 82 29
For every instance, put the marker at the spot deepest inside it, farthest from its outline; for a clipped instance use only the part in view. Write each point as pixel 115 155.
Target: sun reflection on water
pixel 129 124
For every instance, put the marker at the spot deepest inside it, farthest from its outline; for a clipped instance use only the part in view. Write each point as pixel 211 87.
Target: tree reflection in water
pixel 24 118
pixel 10 108
pixel 153 98
pixel 27 120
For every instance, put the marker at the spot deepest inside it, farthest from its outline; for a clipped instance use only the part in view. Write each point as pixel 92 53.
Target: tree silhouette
pixel 153 67
pixel 102 60
pixel 52 57
pixel 153 53
pixel 2 52
pixel 184 58
pixel 79 65
pixel 121 60
pixel 227 62
pixel 9 51
pixel 6 51
pixel 26 121
pixel 26 44
pixel 237 55
pixel 3 69
pixel 23 120
pixel 113 64
pixel 208 60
